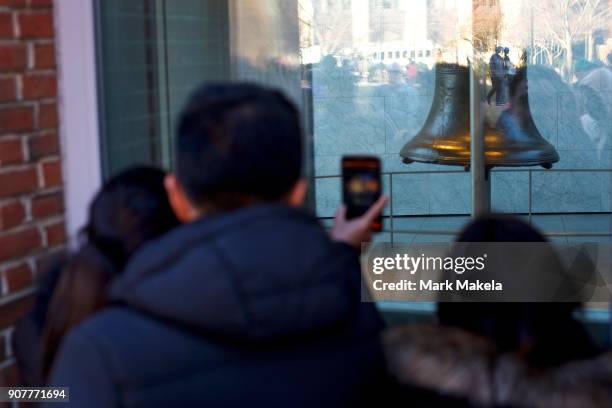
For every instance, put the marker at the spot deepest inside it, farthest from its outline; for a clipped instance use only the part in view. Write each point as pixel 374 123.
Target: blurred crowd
pixel 584 102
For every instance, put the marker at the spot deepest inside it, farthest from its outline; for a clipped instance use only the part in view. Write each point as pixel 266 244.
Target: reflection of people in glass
pixel 594 116
pixel 515 120
pixel 395 74
pixel 594 96
pixel 560 116
pixel 496 68
pixel 395 81
pixel 332 80
pixel 582 68
pixel 509 72
pixel 599 78
pixel 412 71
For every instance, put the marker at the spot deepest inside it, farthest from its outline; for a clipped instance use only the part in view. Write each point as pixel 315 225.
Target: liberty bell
pixel 445 137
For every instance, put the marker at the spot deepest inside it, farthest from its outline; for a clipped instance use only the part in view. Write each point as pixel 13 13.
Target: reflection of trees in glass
pixel 387 21
pixel 486 24
pixel 448 27
pixel 441 23
pixel 332 25
pixel 561 23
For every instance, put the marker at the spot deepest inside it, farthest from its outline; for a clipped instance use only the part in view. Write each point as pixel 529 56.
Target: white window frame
pixel 78 108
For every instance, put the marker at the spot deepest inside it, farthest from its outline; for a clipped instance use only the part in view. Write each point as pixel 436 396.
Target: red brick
pixel 52 174
pixel 9 376
pixel 10 151
pixel 8 89
pixel 56 234
pixel 18 244
pixel 44 56
pixel 12 214
pixel 43 146
pixel 13 3
pixel 18 277
pixel 47 205
pixel 6 25
pixel 41 3
pixel 35 25
pixel 13 57
pixel 47 116
pixel 16 119
pixel 19 181
pixel 10 312
pixel 37 86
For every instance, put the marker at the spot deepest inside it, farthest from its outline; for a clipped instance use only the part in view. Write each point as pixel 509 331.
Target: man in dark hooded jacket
pixel 250 303
pixel 498 73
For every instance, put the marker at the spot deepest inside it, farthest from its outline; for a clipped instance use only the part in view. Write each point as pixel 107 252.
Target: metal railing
pixel 391 216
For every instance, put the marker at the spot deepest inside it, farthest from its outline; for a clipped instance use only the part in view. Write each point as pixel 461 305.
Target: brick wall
pixel 31 197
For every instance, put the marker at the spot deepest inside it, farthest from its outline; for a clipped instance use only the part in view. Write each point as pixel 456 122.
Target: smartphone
pixel 361 186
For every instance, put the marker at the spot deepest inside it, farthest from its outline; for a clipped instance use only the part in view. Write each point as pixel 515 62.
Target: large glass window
pixel 367 105
pixel 364 75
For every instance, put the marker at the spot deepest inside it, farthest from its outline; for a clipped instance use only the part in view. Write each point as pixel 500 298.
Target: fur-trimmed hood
pixel 453 362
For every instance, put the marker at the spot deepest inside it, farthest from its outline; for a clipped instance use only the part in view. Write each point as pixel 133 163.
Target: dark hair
pixel 130 209
pixel 498 228
pixel 592 104
pixel 238 144
pixel 533 328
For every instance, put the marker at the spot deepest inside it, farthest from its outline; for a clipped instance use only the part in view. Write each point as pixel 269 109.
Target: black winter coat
pixel 252 308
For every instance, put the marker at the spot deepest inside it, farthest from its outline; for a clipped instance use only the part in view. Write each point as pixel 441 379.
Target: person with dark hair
pixel 498 73
pixel 512 326
pixel 250 302
pixel 599 80
pixel 583 67
pixel 594 114
pixel 532 354
pixel 539 81
pixel 131 209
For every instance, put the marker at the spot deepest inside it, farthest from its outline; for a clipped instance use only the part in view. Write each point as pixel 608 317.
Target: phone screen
pixel 361 186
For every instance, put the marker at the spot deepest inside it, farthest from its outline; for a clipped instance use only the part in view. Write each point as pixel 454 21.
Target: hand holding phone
pixel 358 230
pixel 362 212
pixel 361 186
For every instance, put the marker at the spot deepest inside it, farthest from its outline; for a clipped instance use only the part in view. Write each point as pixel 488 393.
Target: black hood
pixel 258 273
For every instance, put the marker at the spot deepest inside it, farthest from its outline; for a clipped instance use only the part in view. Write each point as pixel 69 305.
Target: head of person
pixel 395 74
pixel 498 49
pixel 131 209
pixel 329 63
pixel 582 67
pixel 237 145
pixel 506 50
pixel 531 329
